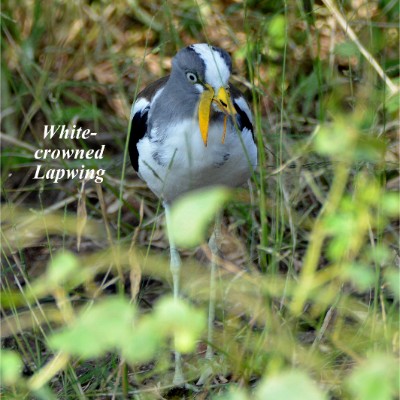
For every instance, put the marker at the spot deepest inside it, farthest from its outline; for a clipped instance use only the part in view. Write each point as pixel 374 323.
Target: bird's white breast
pixel 181 162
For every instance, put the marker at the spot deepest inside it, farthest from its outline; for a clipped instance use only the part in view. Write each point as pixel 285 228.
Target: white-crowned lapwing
pixel 190 130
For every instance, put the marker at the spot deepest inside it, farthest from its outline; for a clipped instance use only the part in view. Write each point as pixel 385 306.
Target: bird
pixel 190 130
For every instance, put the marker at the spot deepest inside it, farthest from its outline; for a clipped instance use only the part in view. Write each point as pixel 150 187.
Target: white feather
pixel 217 72
pixel 186 164
pixel 139 105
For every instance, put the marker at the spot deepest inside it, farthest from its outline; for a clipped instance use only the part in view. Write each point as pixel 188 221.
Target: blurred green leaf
pixel 234 393
pixel 379 253
pixel 336 139
pixel 291 385
pixel 369 149
pixel 10 367
pixel 375 379
pixel 144 342
pixel 191 214
pixel 391 204
pixel 305 93
pixel 170 319
pixel 344 138
pixel 66 114
pixel 109 325
pixel 361 276
pixel 343 223
pixel 183 322
pixel 11 298
pixel 277 31
pixel 98 329
pixel 368 192
pixel 392 104
pixel 63 266
pixel 392 278
pixel 343 226
pixel 378 39
pixel 15 157
pixel 347 49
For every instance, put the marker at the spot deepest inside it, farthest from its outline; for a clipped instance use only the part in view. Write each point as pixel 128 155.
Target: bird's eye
pixel 191 77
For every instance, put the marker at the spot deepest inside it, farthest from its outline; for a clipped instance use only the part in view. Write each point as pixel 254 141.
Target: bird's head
pixel 205 70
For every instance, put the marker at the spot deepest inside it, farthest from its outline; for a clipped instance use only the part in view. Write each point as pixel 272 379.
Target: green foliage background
pixel 308 285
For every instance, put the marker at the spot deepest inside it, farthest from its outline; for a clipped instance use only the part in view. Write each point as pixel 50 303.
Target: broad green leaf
pixel 375 379
pixel 98 329
pixel 291 385
pixel 191 214
pixel 108 326
pixel 10 367
pixel 145 340
pixel 170 319
pixel 182 321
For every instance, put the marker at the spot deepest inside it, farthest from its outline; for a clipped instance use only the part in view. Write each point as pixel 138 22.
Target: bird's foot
pixel 178 380
pixel 205 375
pixel 208 368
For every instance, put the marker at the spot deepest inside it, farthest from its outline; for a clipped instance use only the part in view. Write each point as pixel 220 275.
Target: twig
pixel 52 368
pixel 16 142
pixel 328 318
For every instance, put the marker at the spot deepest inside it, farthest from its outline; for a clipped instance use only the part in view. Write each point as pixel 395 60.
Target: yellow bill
pixel 223 101
pixel 204 112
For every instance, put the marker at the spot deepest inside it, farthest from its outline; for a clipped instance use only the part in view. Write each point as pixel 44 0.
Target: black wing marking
pixel 138 130
pixel 242 119
pixel 139 120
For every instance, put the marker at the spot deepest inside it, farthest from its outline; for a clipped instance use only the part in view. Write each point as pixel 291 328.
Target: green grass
pixel 308 285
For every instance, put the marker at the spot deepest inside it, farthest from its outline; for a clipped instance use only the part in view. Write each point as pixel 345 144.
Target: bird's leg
pixel 175 266
pixel 213 245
